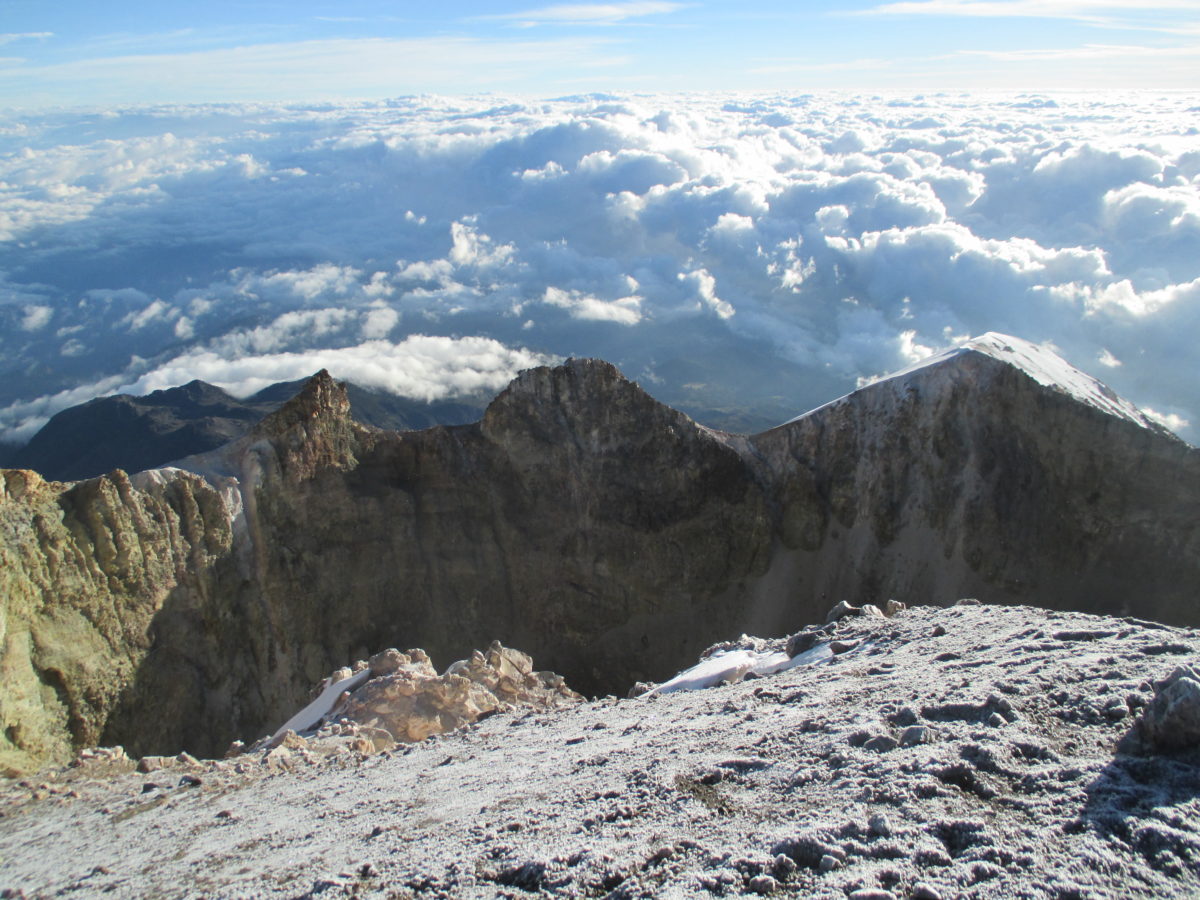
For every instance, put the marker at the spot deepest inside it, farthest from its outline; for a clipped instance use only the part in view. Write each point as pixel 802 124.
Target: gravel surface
pixel 976 751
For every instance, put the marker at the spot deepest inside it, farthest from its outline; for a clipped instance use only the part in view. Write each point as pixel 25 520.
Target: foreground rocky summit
pixel 607 535
pixel 972 752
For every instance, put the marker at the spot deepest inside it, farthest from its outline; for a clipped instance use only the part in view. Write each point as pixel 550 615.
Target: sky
pixel 82 53
pixel 750 209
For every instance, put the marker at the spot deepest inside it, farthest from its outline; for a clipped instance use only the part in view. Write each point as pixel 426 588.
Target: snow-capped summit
pixel 1038 361
pixel 1047 368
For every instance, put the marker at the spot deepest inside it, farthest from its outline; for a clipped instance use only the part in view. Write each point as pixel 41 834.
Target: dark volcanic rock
pixel 609 536
pixel 137 433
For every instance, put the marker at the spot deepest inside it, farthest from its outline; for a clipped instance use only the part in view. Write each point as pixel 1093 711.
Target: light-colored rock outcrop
pixel 407 698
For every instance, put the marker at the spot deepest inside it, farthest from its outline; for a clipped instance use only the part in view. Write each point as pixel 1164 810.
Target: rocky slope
pixel 608 535
pixel 970 752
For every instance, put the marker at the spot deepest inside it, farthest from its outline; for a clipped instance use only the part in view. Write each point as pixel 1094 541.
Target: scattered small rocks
pixel 840 611
pixel 925 783
pixel 802 641
pixel 784 867
pixel 881 743
pixel 763 884
pixel 746 763
pixel 642 687
pixel 916 734
pixel 879 825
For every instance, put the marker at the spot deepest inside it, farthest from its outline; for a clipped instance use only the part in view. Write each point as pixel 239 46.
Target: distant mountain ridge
pixel 135 433
pixel 606 534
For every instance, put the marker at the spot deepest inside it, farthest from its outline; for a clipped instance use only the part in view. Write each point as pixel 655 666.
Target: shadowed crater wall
pixel 607 535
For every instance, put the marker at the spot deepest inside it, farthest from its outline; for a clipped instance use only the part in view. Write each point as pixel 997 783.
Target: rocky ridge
pixel 141 432
pixel 976 751
pixel 608 535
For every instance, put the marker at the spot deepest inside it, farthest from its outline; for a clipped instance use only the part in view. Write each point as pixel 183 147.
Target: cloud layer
pixel 746 257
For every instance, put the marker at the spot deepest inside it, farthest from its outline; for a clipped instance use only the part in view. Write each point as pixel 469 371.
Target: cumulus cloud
pixel 36 318
pixel 624 311
pixel 424 367
pixel 759 254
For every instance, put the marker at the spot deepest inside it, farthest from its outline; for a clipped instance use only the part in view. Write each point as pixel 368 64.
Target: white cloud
pixel 589 13
pixel 36 318
pixel 25 36
pixel 302 71
pixel 1168 420
pixel 1086 52
pixel 624 311
pixel 705 287
pixel 156 309
pixel 422 367
pixel 1085 10
pixel 788 246
pixel 380 322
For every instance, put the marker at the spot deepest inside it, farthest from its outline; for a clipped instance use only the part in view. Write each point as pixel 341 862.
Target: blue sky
pixel 83 53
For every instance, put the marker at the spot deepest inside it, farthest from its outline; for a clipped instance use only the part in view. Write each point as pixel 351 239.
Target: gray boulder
pixel 1171 721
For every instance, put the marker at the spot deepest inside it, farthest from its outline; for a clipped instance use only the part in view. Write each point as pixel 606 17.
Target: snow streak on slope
pixel 1047 368
pixel 732 666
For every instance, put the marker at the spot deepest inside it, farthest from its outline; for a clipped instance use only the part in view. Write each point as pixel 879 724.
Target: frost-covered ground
pixel 963 752
pixel 746 257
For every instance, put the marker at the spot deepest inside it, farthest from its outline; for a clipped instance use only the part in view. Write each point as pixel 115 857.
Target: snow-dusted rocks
pixel 1171 720
pixel 723 791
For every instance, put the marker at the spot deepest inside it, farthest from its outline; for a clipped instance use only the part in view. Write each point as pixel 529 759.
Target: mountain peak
pixel 1037 361
pixel 1043 364
pixel 314 428
pixel 320 398
pixel 580 400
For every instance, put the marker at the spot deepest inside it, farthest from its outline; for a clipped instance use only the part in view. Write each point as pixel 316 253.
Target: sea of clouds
pixel 744 257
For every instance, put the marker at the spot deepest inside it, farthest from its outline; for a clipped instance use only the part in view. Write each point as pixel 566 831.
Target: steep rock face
pixel 971 478
pixel 580 521
pixel 84 569
pixel 607 535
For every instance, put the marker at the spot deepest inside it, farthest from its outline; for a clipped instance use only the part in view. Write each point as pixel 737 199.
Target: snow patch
pixel 319 708
pixel 731 666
